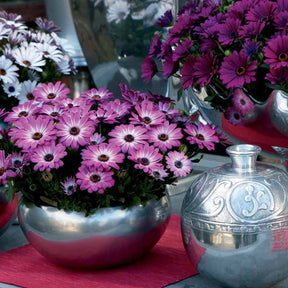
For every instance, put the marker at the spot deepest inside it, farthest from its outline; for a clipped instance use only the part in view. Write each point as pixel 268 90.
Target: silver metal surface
pixel 234 222
pixel 110 237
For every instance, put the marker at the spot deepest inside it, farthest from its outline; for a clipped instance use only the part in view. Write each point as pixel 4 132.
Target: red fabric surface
pixel 7 210
pixel 166 263
pixel 262 132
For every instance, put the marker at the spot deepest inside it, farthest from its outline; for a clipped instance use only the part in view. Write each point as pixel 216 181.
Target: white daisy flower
pixel 29 57
pixel 4 31
pixel 63 44
pixel 15 38
pixel 39 37
pixel 27 87
pixel 7 70
pixel 118 11
pixel 63 66
pixel 49 51
pixel 14 25
pixel 12 89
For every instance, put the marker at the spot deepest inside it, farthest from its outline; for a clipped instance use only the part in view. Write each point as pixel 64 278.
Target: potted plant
pixel 101 163
pixel 235 50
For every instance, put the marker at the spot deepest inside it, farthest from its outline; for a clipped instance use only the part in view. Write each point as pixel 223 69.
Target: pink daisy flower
pixel 234 116
pixel 236 70
pixel 50 92
pixel 54 111
pixel 74 130
pixel 96 138
pixel 167 110
pixel 103 155
pixel 18 161
pixel 165 136
pixel 159 174
pixel 29 132
pixel 242 102
pixel 121 109
pixel 104 115
pixel 4 165
pixel 22 110
pixel 178 163
pixel 69 186
pixel 147 158
pixel 94 180
pixel 148 115
pixel 48 156
pixel 203 135
pixel 97 94
pixel 128 136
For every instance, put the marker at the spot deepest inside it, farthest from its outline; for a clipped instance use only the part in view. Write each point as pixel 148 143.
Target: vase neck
pixel 243 157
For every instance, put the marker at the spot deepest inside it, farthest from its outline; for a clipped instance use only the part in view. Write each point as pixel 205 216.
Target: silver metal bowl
pixel 110 237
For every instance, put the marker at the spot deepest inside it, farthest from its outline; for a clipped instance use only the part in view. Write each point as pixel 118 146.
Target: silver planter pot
pixel 110 237
pixel 234 222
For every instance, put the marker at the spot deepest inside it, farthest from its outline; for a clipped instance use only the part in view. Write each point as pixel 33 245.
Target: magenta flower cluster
pixel 96 143
pixel 237 50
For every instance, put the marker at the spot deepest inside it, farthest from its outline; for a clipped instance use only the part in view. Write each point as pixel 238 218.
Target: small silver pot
pixel 234 222
pixel 110 237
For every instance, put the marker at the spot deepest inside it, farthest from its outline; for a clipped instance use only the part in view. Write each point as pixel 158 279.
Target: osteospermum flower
pixel 178 163
pixel 228 31
pixel 69 186
pixel 96 138
pixel 49 51
pixel 148 115
pixel 94 180
pixel 187 73
pixel 236 70
pixel 165 20
pixel 48 156
pixel 12 89
pixel 278 76
pixel 234 116
pixel 128 136
pixel 54 111
pixel 18 160
pixel 146 157
pixel 29 57
pixel 149 69
pixel 165 136
pixel 74 130
pixel 182 50
pixel 159 174
pixel 103 155
pixel 203 135
pixel 242 102
pixel 29 132
pixel 276 52
pixel 263 12
pixel 26 92
pixel 4 171
pixel 118 11
pixel 47 26
pixel 50 92
pixel 155 47
pixel 7 70
pixel 97 94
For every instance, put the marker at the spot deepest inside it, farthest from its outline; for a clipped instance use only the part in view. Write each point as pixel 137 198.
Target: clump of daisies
pixel 236 50
pixel 97 151
pixel 29 56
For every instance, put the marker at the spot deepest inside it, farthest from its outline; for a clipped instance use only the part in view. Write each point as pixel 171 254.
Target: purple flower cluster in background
pixel 235 49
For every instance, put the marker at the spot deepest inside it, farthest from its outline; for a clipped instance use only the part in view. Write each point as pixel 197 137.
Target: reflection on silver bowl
pixel 110 237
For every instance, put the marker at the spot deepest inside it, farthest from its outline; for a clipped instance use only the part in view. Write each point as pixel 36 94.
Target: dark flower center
pixel 236 116
pixel 178 164
pixel 147 120
pixel 27 63
pixel 48 157
pixel 103 158
pixel 2 171
pixel 74 131
pixel 17 163
pixel 11 89
pixel 240 71
pixel 200 137
pixel 283 57
pixel 37 135
pixel 242 102
pixel 54 114
pixel 156 174
pixel 51 95
pixel 211 70
pixel 95 178
pixel 264 19
pixel 233 34
pixel 163 137
pixel 96 96
pixel 46 53
pixel 23 113
pixel 3 72
pixel 144 161
pixel 70 188
pixel 30 96
pixel 129 138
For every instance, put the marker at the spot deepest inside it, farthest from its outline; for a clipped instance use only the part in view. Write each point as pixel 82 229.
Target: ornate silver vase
pixel 109 237
pixel 234 222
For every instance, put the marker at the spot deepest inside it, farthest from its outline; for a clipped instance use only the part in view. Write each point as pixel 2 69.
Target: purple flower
pixel 187 73
pixel 203 135
pixel 69 186
pixel 178 163
pixel 165 20
pixel 251 47
pixel 282 21
pixel 146 157
pixel 29 132
pixel 103 155
pixel 277 76
pixel 282 5
pixel 169 66
pixel 165 136
pixel 155 47
pixel 159 174
pixel 236 70
pixel 242 102
pixel 48 156
pixel 18 161
pixel 97 94
pixel 276 52
pixel 4 165
pixel 54 111
pixel 121 109
pixel 229 31
pixel 205 68
pixel 96 138
pixel 182 50
pixel 251 30
pixel 149 69
pixel 94 180
pixel 264 12
pixel 234 116
pixel 47 26
pixel 128 136
pixel 74 130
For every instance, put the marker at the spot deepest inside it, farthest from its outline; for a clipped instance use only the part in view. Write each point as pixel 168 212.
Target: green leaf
pixel 10 192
